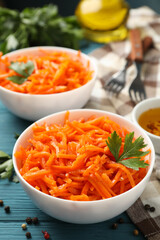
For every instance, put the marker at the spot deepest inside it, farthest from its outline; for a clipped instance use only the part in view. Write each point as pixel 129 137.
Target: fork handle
pixel 136 45
pixel 147 43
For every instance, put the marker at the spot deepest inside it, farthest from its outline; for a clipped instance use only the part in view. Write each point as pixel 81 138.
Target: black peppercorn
pixel 136 232
pixel 29 220
pixel 28 235
pixel 114 226
pixel 1 203
pixel 35 220
pixel 152 209
pixel 121 220
pixel 7 209
pixel 146 206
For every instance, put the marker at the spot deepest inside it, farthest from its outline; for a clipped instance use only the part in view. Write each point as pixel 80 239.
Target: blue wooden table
pixel 22 207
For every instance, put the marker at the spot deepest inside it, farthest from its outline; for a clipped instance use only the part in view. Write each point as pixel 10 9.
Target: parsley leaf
pixel 23 69
pixel 17 79
pixel 134 163
pixel 114 144
pixel 131 156
pixel 131 148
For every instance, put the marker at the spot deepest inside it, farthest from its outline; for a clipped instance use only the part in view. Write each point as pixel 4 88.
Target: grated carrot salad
pixel 72 161
pixel 54 72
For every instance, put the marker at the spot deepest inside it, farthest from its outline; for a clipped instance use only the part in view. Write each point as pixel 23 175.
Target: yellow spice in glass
pixel 103 20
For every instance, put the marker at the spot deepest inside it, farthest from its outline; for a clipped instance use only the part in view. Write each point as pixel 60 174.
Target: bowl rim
pixel 90 58
pixel 92 111
pixel 135 110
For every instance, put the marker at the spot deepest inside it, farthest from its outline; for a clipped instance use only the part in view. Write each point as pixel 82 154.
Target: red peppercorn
pixel 28 235
pixel 29 220
pixel 46 234
pixel 35 220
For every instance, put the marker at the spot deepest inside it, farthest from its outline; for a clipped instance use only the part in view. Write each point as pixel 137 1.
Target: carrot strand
pixel 72 161
pixel 54 72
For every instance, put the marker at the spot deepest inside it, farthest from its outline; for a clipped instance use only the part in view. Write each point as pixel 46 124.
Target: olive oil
pixel 103 20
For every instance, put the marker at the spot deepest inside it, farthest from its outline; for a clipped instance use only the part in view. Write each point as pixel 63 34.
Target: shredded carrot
pixel 54 72
pixel 72 161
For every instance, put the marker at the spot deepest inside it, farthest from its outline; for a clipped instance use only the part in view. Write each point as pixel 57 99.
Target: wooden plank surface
pixel 22 207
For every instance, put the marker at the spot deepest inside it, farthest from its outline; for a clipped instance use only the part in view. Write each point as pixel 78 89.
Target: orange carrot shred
pixel 72 161
pixel 54 72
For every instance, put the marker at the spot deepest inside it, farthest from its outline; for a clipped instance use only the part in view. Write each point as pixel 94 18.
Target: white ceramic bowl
pixel 142 107
pixel 76 211
pixel 33 107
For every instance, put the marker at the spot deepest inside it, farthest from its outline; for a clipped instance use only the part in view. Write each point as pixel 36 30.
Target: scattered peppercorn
pixel 24 226
pixel 114 226
pixel 136 232
pixel 121 220
pixel 152 209
pixel 29 220
pixel 146 206
pixel 28 235
pixel 46 234
pixel 35 220
pixel 7 209
pixel 1 203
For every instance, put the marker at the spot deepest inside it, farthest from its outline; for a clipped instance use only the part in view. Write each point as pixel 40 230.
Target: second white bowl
pixel 34 107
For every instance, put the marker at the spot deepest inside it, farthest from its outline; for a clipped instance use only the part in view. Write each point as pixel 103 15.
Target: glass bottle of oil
pixel 103 20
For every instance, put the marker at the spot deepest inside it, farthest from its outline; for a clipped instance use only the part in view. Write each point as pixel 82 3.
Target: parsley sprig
pixel 132 152
pixel 23 69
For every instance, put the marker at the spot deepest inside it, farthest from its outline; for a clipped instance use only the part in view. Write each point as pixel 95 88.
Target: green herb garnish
pixel 23 69
pixel 4 156
pixel 6 169
pixel 16 135
pixel 42 26
pixel 15 179
pixel 6 165
pixel 132 153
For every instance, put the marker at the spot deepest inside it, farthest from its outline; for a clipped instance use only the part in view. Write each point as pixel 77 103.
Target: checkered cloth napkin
pixel 110 58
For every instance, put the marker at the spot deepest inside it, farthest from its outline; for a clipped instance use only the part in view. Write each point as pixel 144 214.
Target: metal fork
pixel 118 80
pixel 136 90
